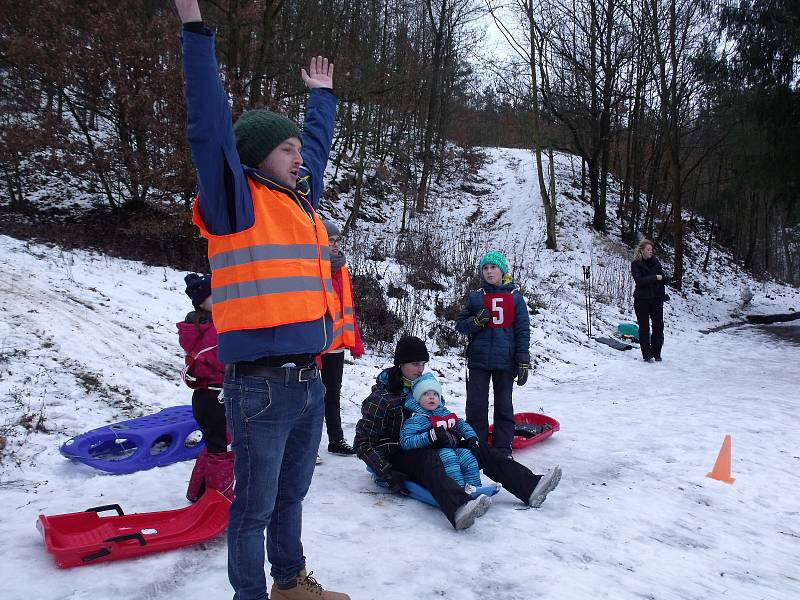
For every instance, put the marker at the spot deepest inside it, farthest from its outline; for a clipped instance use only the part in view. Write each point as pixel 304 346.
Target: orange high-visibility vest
pixel 274 273
pixel 344 329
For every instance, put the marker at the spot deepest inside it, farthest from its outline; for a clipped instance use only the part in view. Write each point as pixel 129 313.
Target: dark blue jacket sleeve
pixel 465 322
pixel 225 202
pixel 522 329
pixel 317 140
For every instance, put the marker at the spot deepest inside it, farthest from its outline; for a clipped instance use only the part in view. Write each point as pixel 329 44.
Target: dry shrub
pixel 375 319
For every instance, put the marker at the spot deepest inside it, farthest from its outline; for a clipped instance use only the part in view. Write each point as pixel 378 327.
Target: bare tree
pixel 447 18
pixel 677 29
pixel 590 46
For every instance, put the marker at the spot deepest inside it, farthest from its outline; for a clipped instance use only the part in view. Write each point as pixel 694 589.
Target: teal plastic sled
pixel 628 331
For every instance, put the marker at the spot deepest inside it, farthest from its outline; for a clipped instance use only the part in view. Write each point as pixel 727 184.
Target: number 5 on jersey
pixel 501 308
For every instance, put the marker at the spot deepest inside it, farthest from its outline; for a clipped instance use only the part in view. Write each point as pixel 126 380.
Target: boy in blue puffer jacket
pixel 496 321
pixel 432 425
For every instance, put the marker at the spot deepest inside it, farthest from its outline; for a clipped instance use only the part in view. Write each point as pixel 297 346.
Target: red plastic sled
pixel 85 538
pixel 527 423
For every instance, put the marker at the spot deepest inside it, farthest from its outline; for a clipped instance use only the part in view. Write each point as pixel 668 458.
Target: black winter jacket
pixel 382 416
pixel 647 285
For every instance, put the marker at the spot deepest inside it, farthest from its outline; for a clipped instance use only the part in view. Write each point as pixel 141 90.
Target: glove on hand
pixel 442 438
pixel 395 480
pixel 522 373
pixel 481 318
pixel 472 445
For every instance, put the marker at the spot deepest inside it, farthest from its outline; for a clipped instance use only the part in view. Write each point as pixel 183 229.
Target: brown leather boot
pixel 307 588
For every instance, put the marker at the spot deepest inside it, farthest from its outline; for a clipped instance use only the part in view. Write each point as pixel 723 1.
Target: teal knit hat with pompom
pixel 493 257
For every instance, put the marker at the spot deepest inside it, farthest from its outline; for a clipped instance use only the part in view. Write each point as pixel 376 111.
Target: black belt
pixel 287 374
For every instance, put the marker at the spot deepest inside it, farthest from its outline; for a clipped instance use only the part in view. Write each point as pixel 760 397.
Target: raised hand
pixel 188 11
pixel 319 74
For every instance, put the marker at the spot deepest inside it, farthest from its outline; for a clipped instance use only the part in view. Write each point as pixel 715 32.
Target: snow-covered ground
pixel 87 340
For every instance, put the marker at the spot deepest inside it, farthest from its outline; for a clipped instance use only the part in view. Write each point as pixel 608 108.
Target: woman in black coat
pixel 648 300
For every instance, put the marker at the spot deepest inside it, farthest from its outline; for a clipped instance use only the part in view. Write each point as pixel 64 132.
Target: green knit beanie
pixel 258 132
pixel 493 257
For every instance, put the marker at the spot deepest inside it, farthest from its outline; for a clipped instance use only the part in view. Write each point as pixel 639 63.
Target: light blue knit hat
pixel 494 257
pixel 426 383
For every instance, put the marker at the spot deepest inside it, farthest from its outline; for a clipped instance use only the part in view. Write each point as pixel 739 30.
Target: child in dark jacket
pixel 432 425
pixel 204 374
pixel 496 321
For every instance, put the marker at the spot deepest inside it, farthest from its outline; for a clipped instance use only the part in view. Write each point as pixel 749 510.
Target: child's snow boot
pixel 305 588
pixel 197 483
pixel 219 473
pixel 546 484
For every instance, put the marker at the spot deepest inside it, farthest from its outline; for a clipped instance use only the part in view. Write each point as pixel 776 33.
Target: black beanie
pixel 198 288
pixel 410 349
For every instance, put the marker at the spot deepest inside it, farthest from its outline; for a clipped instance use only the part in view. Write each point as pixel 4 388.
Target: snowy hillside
pixel 86 340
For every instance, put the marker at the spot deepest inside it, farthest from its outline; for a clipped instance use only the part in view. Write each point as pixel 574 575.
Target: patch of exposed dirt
pixel 152 235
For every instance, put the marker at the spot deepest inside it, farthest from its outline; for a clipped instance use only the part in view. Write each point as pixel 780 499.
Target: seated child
pixel 432 425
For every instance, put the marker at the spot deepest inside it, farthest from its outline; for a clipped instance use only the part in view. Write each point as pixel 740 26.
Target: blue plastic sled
pixel 417 492
pixel 138 444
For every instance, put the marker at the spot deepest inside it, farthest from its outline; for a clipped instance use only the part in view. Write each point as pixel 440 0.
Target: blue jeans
pixel 275 427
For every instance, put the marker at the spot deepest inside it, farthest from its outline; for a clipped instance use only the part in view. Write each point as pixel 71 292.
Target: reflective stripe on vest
pixel 344 328
pixel 266 252
pixel 274 273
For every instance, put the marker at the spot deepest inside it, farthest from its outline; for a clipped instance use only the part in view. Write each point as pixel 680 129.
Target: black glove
pixel 472 445
pixel 522 373
pixel 481 318
pixel 395 480
pixel 442 438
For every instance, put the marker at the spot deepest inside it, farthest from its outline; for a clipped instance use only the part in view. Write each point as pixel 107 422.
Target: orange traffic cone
pixel 722 468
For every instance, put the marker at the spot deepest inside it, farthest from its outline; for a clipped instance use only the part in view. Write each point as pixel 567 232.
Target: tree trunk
pixel 548 198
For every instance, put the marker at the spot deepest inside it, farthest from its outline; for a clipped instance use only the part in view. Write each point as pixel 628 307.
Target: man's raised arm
pixel 319 123
pixel 225 202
